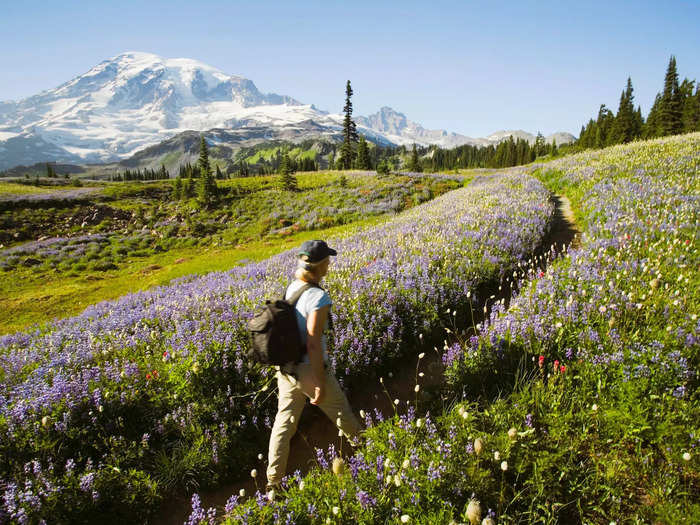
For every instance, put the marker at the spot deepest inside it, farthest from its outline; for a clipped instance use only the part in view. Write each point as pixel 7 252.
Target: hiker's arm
pixel 315 323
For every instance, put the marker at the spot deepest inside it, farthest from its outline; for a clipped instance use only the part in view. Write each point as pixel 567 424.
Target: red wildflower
pixel 148 376
pixel 556 365
pixel 562 369
pixel 541 361
pixel 154 373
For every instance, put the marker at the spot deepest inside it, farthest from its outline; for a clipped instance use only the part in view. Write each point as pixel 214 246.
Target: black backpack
pixel 275 338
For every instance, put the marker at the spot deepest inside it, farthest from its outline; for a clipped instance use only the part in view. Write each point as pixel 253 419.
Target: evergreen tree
pixel 350 138
pixel 163 172
pixel 49 170
pixel 363 162
pixel 670 109
pixel 383 167
pixel 177 188
pixel 554 151
pixel 691 106
pixel 207 189
pixel 289 181
pixel 623 127
pixel 652 128
pixel 638 123
pixel 414 162
pixel 540 145
pixel 603 126
pixel 203 162
pixel 219 175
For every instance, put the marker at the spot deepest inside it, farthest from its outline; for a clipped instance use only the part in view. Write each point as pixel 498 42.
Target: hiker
pixel 310 378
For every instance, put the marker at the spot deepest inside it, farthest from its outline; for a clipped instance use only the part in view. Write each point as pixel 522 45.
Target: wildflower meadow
pixel 575 401
pixel 105 414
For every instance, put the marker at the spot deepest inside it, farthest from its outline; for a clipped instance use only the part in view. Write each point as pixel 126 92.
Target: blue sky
pixel 472 67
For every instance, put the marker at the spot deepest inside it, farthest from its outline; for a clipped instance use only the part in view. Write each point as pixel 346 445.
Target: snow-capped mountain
pixel 132 101
pixel 136 100
pixel 399 130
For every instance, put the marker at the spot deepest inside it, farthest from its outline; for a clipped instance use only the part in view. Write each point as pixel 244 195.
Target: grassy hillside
pixel 576 403
pixel 151 393
pixel 130 236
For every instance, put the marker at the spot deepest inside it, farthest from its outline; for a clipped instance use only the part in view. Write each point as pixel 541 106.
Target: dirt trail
pixel 317 431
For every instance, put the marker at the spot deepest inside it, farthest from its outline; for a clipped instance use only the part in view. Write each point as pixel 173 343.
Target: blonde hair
pixel 307 270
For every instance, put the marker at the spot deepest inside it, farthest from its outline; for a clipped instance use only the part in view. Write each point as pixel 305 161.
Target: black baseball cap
pixel 316 250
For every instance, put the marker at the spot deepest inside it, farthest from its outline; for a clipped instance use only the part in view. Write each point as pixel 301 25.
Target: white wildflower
pixel 474 511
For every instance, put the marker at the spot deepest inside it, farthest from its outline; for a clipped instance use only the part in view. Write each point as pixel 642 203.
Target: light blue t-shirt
pixel 311 300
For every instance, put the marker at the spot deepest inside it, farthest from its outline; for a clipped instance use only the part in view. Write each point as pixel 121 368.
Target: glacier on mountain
pixel 136 100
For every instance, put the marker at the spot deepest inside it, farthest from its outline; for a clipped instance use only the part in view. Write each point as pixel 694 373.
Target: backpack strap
pixel 297 295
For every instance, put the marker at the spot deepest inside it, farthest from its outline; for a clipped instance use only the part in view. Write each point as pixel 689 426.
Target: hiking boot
pixel 273 491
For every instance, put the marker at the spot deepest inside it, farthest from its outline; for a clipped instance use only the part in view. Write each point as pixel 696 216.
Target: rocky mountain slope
pixel 139 100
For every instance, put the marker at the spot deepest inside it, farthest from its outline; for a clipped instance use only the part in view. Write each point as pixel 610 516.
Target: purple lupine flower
pixel 365 499
pixel 197 515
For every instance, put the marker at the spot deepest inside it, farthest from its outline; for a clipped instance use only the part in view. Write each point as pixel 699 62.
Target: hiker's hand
pixel 318 395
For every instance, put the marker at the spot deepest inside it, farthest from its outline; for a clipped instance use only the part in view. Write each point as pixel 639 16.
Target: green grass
pixel 255 219
pixel 26 299
pixel 265 154
pixel 11 188
pixel 299 153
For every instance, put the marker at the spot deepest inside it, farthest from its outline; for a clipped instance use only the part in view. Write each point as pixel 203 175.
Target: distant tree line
pixel 676 109
pixel 189 171
pixel 140 174
pixel 508 152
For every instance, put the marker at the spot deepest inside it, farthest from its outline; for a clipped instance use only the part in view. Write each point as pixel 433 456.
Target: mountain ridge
pixel 136 100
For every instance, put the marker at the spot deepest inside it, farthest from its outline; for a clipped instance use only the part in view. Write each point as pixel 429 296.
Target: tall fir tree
pixel 690 116
pixel 207 190
pixel 624 126
pixel 363 162
pixel 638 122
pixel 350 137
pixel 652 128
pixel 289 181
pixel 540 145
pixel 186 188
pixel 554 151
pixel 414 162
pixel 177 188
pixel 203 161
pixel 603 126
pixel 670 110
